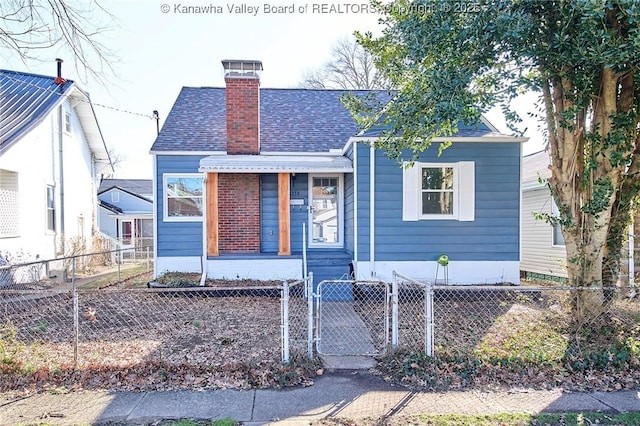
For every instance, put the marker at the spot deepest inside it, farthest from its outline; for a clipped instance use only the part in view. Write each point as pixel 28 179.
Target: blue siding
pixel 269 212
pixel 493 236
pixel 176 238
pixel 363 200
pixel 299 214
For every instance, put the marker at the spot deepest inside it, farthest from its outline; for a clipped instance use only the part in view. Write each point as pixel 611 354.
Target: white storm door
pixel 326 204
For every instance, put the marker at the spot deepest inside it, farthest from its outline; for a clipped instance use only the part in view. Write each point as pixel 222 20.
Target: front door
pixel 126 233
pixel 325 211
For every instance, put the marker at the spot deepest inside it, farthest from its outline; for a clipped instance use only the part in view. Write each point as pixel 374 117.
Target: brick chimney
pixel 243 106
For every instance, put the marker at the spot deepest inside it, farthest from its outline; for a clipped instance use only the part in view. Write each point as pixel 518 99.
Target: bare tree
pixel 28 26
pixel 350 67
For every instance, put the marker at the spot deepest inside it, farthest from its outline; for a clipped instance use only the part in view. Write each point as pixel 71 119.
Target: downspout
pixel 372 214
pixel 203 278
pixel 60 82
pixel 355 207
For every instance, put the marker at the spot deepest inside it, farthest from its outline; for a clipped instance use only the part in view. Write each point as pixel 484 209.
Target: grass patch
pixel 191 422
pixel 504 419
pixel 126 273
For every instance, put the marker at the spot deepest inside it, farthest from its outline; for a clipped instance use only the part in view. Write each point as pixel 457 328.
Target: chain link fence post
pixel 285 322
pixel 428 317
pixel 309 291
pixel 76 325
pixel 394 311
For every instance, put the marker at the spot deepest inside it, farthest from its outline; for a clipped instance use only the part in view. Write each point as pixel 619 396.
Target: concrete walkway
pixel 342 331
pixel 338 395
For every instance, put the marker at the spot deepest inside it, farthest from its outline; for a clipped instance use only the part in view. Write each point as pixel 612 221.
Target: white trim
pixel 340 210
pixel 255 268
pixel 487 123
pixel 204 231
pixel 463 191
pixel 372 214
pixel 456 191
pixel 459 272
pixel 165 204
pixel 177 264
pixel 330 153
pixel 154 212
pixel 468 139
pixel 532 185
pixel 186 153
pixel 466 199
pixel 410 188
pixel 355 203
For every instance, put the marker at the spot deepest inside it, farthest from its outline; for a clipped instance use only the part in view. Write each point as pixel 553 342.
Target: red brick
pixel 239 213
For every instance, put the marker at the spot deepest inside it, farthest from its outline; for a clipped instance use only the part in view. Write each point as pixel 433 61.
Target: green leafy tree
pixel 452 61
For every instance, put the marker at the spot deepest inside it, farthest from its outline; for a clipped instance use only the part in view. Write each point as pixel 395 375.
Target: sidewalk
pixel 340 394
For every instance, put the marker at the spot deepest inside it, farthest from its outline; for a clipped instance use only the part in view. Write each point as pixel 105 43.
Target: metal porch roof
pixel 276 164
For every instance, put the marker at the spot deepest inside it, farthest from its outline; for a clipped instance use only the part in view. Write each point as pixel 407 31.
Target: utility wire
pixel 88 100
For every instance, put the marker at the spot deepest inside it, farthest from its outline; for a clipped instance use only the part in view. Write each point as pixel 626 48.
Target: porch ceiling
pixel 276 164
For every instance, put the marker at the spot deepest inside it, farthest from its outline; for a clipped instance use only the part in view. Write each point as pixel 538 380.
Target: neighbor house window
pixel 67 122
pixel 436 191
pixel 557 238
pixel 51 208
pixel 183 197
pixel 9 213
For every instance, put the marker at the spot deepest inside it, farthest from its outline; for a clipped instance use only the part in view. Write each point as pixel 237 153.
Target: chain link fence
pixel 61 272
pixel 436 337
pixel 516 335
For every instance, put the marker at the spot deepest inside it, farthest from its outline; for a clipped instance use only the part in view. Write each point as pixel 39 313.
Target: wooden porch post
pixel 284 215
pixel 213 235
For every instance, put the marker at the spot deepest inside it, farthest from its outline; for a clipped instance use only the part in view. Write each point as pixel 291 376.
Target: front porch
pixel 324 264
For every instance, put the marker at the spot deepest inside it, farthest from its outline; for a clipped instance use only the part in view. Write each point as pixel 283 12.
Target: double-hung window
pixel 51 208
pixel 438 191
pixel 183 197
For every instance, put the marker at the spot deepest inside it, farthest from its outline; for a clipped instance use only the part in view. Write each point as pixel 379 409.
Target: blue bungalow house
pixel 246 177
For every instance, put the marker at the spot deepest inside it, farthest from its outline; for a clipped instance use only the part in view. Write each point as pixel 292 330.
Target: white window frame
pixel 50 210
pixel 67 122
pixel 463 191
pixel 115 196
pixel 555 212
pixel 165 198
pixel 339 212
pixel 436 216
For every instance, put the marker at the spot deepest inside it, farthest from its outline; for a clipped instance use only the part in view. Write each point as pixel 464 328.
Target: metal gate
pixel 352 317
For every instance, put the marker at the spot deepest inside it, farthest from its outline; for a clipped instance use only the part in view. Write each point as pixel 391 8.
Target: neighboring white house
pixel 125 212
pixel 543 248
pixel 52 154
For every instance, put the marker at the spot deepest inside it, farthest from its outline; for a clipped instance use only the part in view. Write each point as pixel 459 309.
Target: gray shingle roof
pixel 291 120
pixel 140 187
pixel 25 101
pixel 535 165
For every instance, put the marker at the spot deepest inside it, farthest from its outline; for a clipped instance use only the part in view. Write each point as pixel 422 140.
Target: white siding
pixel 538 254
pixel 35 158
